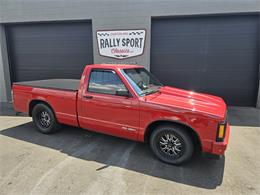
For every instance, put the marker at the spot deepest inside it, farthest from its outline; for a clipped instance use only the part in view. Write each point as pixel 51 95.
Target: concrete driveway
pixel 75 161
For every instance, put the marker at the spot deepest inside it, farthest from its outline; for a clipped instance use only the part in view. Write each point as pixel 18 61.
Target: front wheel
pixel 171 144
pixel 44 119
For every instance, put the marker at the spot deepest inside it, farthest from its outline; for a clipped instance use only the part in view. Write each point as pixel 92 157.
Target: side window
pixel 105 81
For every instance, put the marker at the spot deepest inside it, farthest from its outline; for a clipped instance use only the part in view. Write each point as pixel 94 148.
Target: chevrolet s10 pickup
pixel 129 102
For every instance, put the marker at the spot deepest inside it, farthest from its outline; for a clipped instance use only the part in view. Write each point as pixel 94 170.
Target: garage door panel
pixel 237 81
pixel 164 27
pixel 195 45
pixel 50 61
pixel 188 62
pixel 192 82
pixel 46 74
pixel 234 90
pixel 43 46
pixel 213 54
pixel 49 50
pixel 235 59
pixel 233 96
pixel 232 43
pixel 231 62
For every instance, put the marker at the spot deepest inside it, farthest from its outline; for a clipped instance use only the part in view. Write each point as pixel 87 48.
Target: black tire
pixel 44 119
pixel 175 150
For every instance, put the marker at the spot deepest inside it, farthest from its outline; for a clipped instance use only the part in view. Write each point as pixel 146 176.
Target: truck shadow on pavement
pixel 111 151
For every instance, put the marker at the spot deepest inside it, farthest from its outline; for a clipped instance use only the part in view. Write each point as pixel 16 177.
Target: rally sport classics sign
pixel 121 44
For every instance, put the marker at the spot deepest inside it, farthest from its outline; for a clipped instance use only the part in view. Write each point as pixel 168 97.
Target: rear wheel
pixel 171 144
pixel 44 119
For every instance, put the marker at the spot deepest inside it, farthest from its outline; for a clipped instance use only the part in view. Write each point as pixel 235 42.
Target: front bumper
pixel 219 148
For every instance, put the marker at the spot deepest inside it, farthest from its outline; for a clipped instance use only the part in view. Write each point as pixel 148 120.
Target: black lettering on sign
pixel 141 40
pixel 123 42
pixel 127 42
pixel 102 43
pixel 106 43
pixel 118 41
pixel 136 42
pixel 132 42
pixel 111 42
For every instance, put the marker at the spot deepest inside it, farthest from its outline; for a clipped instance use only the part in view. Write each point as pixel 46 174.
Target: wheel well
pixel 34 103
pixel 191 132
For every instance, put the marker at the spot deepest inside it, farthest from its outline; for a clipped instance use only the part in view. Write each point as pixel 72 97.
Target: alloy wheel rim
pixel 170 145
pixel 44 119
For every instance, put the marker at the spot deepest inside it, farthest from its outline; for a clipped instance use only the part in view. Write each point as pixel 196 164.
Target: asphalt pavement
pixel 75 161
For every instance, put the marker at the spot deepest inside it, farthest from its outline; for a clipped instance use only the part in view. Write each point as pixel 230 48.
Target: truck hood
pixel 189 100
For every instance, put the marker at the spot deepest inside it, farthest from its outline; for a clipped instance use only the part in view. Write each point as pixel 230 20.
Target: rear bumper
pixel 219 148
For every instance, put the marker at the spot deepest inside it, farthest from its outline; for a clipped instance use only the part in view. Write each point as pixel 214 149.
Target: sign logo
pixel 121 44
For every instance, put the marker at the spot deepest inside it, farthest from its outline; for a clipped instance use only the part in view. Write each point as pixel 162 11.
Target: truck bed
pixel 60 84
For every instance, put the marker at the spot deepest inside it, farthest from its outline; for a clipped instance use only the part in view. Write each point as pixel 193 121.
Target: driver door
pixel 105 111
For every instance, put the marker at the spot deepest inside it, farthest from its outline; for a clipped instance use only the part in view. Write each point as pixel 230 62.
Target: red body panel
pixel 62 102
pixel 130 117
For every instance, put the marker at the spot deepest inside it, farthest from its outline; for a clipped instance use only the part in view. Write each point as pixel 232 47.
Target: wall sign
pixel 121 44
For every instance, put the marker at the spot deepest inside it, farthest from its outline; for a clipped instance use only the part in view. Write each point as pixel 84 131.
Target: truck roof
pixel 121 66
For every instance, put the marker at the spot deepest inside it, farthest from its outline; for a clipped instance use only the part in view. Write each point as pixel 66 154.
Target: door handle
pixel 87 96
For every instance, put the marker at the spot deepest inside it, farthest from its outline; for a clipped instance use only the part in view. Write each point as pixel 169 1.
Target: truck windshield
pixel 142 81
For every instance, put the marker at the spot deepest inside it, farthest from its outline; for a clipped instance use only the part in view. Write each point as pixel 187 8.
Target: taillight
pixel 221 132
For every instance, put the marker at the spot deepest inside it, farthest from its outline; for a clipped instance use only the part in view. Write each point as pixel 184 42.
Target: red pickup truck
pixel 129 102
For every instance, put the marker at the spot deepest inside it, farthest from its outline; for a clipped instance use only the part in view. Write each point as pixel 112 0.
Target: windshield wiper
pixel 150 92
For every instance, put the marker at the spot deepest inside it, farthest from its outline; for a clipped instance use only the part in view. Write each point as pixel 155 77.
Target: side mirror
pixel 124 93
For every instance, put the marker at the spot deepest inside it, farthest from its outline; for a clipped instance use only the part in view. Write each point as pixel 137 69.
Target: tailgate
pixel 21 97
